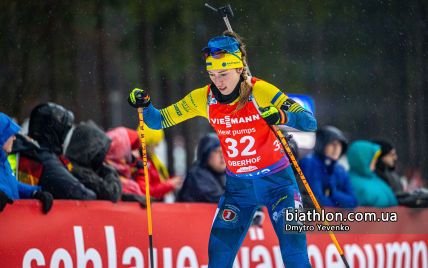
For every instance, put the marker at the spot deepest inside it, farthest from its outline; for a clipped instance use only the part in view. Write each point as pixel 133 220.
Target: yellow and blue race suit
pixel 258 171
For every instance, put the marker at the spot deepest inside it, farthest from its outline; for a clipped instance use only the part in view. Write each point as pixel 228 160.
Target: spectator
pixel 205 182
pixel 45 165
pixel 385 169
pixel 119 157
pixel 10 188
pixel 370 189
pixel 329 180
pixel 161 183
pixel 87 150
pixel 385 166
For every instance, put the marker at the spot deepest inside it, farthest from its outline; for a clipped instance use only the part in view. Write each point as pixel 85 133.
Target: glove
pixel 140 164
pixel 4 200
pixel 46 198
pixel 273 116
pixel 139 98
pixel 135 198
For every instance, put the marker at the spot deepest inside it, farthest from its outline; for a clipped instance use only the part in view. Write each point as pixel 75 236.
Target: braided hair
pixel 246 86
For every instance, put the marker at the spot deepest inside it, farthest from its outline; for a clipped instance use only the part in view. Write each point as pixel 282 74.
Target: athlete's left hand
pixel 273 116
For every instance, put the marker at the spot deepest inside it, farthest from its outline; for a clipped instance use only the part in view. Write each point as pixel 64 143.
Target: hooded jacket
pixel 49 125
pixel 87 150
pixel 120 158
pixel 8 183
pixel 370 189
pixel 328 180
pixel 202 184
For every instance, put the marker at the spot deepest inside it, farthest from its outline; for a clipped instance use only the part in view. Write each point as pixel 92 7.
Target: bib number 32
pixel 247 141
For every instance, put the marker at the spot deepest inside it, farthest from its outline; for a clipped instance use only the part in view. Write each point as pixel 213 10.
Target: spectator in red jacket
pixel 161 183
pixel 119 156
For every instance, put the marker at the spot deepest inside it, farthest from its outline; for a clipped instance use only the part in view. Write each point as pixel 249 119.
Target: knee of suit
pixel 300 260
pixel 292 244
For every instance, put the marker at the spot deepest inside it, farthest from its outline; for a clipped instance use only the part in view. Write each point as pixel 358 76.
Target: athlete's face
pixel 225 80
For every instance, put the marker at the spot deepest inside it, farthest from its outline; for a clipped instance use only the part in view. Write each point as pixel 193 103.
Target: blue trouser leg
pixel 285 195
pixel 230 227
pixel 292 244
pixel 236 208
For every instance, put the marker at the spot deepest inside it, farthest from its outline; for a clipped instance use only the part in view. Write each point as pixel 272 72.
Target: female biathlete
pixel 240 108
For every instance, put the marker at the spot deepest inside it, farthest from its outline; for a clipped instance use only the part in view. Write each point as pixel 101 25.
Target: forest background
pixel 364 62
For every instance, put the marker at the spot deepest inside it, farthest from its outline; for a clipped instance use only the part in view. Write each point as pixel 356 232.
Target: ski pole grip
pixel 226 10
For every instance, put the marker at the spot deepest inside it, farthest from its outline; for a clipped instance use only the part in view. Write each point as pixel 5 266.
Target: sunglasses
pixel 218 54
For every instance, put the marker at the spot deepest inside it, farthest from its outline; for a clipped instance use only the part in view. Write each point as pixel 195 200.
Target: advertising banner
pixel 102 234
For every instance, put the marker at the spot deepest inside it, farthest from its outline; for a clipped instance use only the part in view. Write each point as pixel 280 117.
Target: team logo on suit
pixel 230 213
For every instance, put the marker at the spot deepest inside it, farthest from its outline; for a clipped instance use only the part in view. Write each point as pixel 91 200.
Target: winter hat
pixel 222 53
pixel 385 145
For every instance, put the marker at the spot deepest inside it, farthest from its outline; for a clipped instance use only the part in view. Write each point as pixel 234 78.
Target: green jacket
pixel 370 189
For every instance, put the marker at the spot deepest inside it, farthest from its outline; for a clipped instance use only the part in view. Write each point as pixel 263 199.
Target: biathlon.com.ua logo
pixel 311 220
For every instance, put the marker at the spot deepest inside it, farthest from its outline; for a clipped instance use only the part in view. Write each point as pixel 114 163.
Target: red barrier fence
pixel 100 234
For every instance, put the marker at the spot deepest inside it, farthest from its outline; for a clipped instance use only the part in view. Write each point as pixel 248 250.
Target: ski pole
pixel 224 11
pixel 308 188
pixel 146 179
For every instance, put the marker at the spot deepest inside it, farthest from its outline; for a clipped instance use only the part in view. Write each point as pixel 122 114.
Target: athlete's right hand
pixel 139 98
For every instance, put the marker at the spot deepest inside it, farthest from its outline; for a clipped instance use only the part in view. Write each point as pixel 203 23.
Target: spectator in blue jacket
pixel 327 178
pixel 10 188
pixel 369 188
pixel 205 181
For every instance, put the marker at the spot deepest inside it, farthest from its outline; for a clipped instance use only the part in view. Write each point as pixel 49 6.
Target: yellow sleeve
pixel 267 94
pixel 193 104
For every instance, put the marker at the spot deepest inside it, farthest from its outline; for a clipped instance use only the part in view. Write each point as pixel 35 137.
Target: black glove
pixel 46 198
pixel 273 116
pixel 140 164
pixel 135 198
pixel 4 200
pixel 139 98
